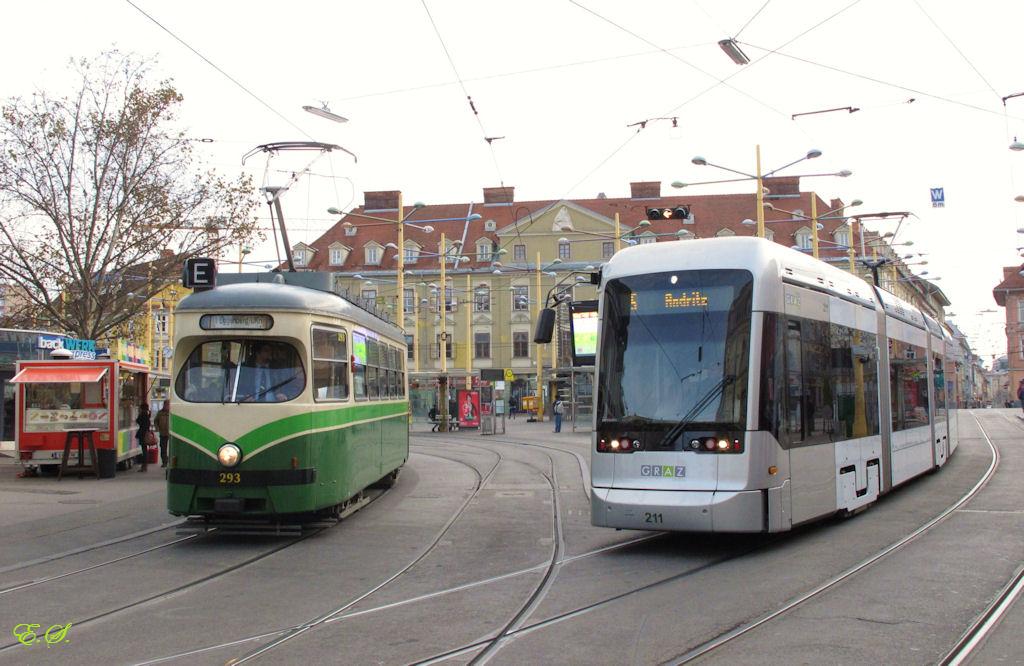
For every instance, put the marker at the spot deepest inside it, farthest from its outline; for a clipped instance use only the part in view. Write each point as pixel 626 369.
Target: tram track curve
pixel 986 621
pixel 300 629
pixel 709 646
pixel 184 587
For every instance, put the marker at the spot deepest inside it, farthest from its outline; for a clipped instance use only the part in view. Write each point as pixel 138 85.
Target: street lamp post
pixel 759 177
pixel 540 355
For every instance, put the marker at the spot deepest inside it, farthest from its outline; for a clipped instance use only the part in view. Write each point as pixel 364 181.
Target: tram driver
pixel 265 379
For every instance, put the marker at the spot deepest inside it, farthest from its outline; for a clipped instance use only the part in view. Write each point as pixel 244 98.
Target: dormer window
pixel 412 252
pixel 302 254
pixel 725 233
pixel 337 254
pixel 483 250
pixel 647 238
pixel 842 236
pixel 374 252
pixel 803 238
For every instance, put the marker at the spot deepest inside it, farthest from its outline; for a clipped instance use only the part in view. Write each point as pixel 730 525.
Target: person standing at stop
pixel 163 428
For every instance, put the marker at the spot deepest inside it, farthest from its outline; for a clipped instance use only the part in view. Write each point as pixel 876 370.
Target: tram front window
pixel 242 370
pixel 674 348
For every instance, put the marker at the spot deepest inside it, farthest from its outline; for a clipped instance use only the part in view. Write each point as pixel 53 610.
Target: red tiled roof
pixel 1012 281
pixel 712 213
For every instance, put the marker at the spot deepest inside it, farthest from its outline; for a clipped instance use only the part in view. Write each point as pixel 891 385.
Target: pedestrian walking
pixel 163 427
pixel 512 405
pixel 143 434
pixel 558 410
pixel 1020 393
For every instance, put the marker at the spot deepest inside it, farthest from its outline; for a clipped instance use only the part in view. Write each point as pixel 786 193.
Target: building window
pixel 370 296
pixel 412 253
pixel 451 304
pixel 337 256
pixel 803 238
pixel 607 249
pixel 518 253
pixel 161 323
pixel 409 299
pixel 373 254
pixel 843 237
pixel 410 347
pixel 449 351
pixel 564 250
pixel 647 239
pixel 1020 311
pixel 482 298
pixel 483 251
pixel 520 344
pixel 449 251
pixel 299 257
pixel 769 235
pixel 521 297
pixel 482 345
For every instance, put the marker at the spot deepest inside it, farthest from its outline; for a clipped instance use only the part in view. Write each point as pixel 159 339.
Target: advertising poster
pixel 469 409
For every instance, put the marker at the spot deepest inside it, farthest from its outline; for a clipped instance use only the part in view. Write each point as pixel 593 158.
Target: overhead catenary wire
pixel 751 19
pixel 225 74
pixel 701 93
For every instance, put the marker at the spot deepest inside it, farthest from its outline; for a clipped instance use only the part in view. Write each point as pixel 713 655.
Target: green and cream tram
pixel 287 400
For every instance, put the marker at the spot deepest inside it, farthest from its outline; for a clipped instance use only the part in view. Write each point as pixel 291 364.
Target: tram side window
pixel 330 364
pixel 940 390
pixel 855 382
pixel 359 353
pixel 372 369
pixel 392 372
pixel 819 381
pixel 908 375
pixel 773 376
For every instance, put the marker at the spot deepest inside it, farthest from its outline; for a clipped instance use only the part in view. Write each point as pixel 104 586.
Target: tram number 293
pixel 653 517
pixel 229 478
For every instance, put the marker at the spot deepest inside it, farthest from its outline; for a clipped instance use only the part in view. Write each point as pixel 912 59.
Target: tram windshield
pixel 675 346
pixel 241 370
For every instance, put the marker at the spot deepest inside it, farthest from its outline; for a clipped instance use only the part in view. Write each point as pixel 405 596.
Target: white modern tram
pixel 746 387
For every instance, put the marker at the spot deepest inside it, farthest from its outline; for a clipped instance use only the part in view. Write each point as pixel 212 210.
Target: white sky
pixel 561 84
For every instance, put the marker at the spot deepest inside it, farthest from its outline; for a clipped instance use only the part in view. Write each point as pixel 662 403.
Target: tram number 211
pixel 229 478
pixel 653 517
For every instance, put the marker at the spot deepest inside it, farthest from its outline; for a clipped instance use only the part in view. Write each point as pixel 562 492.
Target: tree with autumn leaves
pixel 96 187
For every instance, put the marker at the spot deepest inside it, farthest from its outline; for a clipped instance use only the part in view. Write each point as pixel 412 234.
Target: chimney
pixel 783 186
pixel 499 195
pixel 381 200
pixel 647 189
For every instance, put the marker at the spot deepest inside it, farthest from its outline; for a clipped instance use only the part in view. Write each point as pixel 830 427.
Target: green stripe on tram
pixel 288 427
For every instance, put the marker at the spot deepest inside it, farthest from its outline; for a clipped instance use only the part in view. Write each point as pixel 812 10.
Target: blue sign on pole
pixel 938 197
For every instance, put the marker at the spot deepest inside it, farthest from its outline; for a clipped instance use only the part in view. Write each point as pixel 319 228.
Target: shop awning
pixel 64 375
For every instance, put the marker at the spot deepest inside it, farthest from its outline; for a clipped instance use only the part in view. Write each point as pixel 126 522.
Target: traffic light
pixel 671 213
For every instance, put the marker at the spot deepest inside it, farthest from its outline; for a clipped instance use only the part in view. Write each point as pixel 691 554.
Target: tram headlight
pixel 229 454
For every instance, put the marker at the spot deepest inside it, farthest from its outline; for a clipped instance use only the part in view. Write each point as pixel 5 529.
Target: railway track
pixel 299 630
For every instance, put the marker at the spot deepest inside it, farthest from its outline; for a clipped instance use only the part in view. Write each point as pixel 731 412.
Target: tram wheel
pixel 387 481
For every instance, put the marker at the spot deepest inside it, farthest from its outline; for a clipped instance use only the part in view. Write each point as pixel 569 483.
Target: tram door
pixel 941 433
pixel 811 455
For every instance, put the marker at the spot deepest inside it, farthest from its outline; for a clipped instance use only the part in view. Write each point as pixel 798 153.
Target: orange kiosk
pixel 98 397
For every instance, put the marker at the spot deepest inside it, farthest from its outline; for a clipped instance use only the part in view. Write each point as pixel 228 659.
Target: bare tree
pixel 95 186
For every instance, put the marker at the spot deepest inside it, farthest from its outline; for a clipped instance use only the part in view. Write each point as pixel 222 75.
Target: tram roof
pixel 758 255
pixel 259 297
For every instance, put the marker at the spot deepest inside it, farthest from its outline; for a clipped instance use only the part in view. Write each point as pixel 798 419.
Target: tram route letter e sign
pixel 200 273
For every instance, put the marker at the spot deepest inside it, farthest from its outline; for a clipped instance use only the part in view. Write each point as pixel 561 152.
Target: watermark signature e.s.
pixel 28 634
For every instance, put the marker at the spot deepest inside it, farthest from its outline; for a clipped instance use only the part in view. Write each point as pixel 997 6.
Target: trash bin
pixel 107 459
